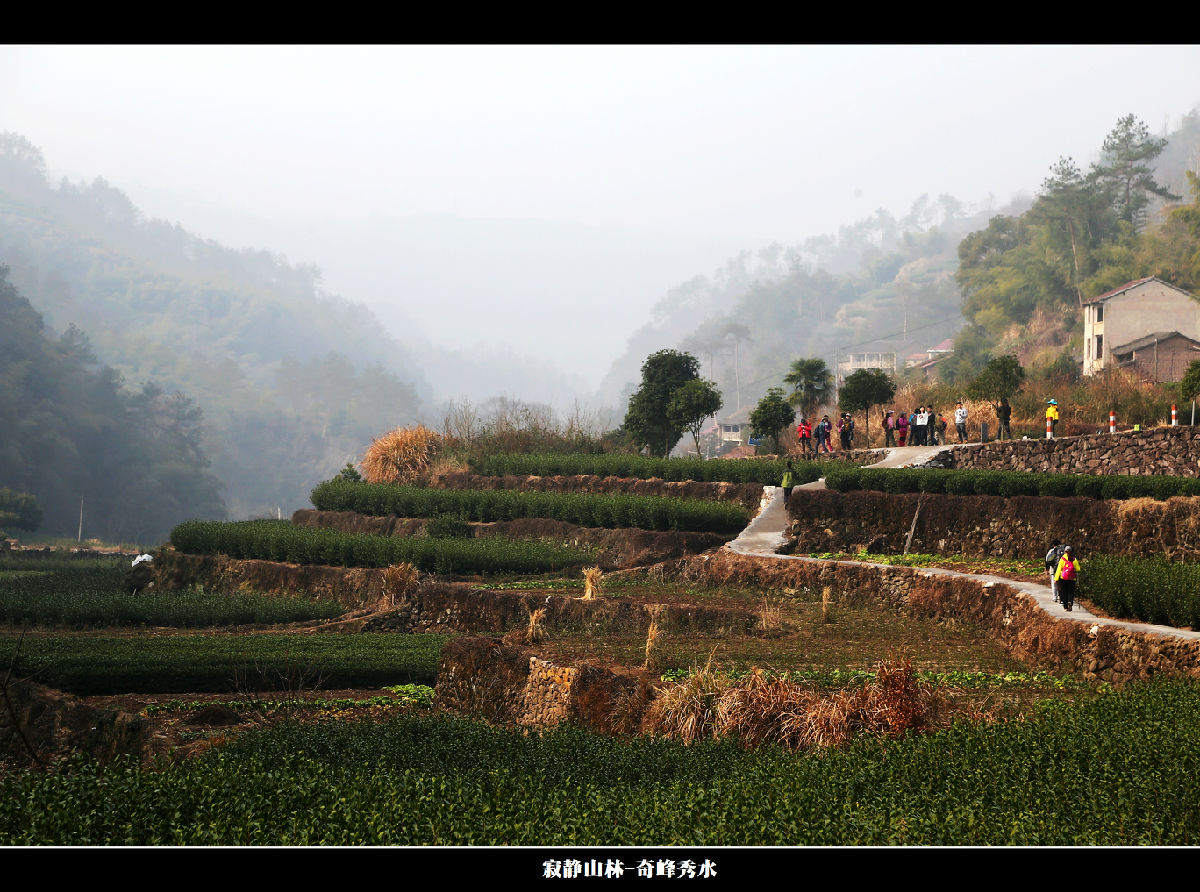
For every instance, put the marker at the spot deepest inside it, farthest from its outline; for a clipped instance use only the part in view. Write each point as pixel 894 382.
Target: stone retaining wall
pixel 487 678
pixel 1160 450
pixel 990 526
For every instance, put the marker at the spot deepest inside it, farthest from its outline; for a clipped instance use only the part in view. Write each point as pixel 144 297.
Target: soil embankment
pixel 615 549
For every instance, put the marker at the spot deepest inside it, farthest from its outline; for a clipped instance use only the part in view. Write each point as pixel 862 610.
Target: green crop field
pixel 88 664
pixel 1117 768
pixel 77 597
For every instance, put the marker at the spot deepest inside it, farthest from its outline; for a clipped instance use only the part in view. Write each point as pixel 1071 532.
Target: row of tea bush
pixel 845 478
pixel 279 540
pixel 585 509
pixel 1153 590
pixel 1117 769
pixel 767 471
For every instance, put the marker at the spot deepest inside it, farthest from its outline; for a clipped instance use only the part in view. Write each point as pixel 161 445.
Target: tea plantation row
pixel 845 478
pixel 767 471
pixel 1117 768
pixel 279 540
pixel 80 596
pixel 220 663
pixel 584 509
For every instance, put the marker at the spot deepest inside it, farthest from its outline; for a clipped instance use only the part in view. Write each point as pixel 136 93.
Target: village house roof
pixel 1129 286
pixel 1149 340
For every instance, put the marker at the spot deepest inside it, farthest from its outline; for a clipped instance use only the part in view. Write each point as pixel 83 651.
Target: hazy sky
pixel 706 142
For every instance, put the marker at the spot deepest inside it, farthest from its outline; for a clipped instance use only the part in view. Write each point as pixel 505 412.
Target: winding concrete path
pixel 767 533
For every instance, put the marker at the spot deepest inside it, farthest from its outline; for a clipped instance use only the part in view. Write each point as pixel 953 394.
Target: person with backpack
pixel 1052 558
pixel 1067 574
pixel 902 427
pixel 889 428
pixel 788 482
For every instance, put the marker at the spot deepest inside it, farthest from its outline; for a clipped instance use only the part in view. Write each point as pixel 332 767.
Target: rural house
pixel 1147 324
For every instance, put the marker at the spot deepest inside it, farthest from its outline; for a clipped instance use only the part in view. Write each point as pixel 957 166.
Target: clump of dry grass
pixel 398 581
pixel 537 630
pixel 688 711
pixel 763 710
pixel 629 708
pixel 770 616
pixel 591 583
pixel 401 456
pixel 652 635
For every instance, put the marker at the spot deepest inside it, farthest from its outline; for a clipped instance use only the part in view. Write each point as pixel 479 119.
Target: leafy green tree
pixel 1189 387
pixel 19 510
pixel 691 405
pixel 1124 173
pixel 864 389
pixel 811 383
pixel 647 420
pixel 1075 215
pixel 973 348
pixel 771 415
pixel 1000 380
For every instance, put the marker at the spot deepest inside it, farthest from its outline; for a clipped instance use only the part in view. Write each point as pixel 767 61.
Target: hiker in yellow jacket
pixel 1052 415
pixel 1065 576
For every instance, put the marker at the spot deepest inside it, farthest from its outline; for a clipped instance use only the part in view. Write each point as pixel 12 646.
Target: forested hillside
pixel 292 382
pixel 76 439
pixel 1135 212
pixel 997 279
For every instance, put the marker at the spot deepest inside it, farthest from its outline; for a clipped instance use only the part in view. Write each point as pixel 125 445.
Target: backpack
pixel 1068 570
pixel 1053 555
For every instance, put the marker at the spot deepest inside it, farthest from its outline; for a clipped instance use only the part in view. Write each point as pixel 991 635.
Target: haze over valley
pixel 299 248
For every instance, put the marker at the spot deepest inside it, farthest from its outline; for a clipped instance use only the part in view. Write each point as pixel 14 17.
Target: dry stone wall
pixel 990 526
pixel 1160 450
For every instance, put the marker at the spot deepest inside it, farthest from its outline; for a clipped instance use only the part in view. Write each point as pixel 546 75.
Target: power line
pixel 902 332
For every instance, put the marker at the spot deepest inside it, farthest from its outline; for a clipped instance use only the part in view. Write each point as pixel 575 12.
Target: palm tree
pixel 811 381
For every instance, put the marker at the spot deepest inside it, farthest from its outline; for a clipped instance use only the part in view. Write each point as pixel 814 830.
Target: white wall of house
pixel 1134 313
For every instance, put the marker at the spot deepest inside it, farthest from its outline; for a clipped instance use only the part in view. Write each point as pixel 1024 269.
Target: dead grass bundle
pixel 763 710
pixel 537 630
pixel 629 708
pixel 895 702
pixel 687 711
pixel 401 456
pixel 591 583
pixel 652 635
pixel 399 580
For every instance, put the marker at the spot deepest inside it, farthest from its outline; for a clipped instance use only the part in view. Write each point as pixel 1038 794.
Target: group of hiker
pixel 923 426
pixel 822 432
